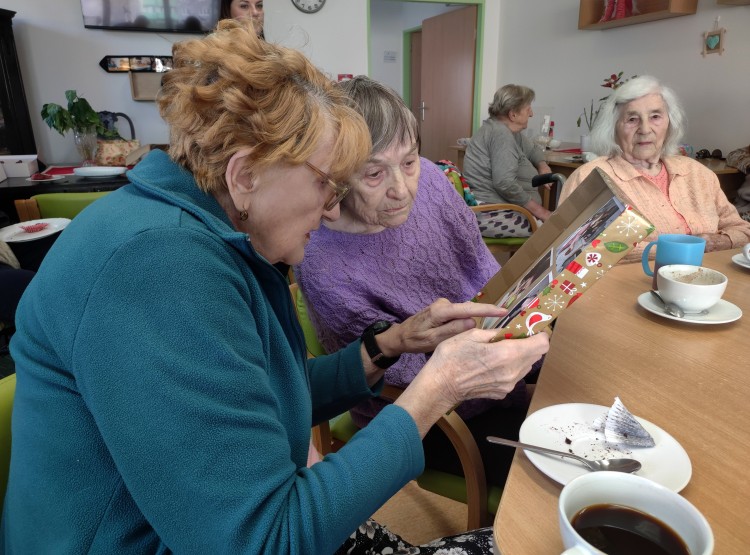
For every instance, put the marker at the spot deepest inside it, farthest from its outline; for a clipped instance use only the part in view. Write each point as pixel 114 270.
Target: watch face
pixel 309 6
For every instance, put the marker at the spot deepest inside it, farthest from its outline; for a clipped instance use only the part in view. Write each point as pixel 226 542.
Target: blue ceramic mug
pixel 673 249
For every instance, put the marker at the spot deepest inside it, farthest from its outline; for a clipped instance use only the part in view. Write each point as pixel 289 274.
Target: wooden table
pixel 691 380
pixel 730 178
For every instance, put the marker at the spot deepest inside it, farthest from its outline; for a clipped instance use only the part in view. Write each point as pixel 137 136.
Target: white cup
pixel 746 251
pixel 638 493
pixel 692 288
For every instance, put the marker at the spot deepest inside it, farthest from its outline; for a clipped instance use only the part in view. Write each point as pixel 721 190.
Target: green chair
pixel 7 390
pixel 55 205
pixel 495 245
pixel 330 436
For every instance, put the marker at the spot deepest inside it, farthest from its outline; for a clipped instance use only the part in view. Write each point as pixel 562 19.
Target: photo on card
pixel 587 232
pixel 527 303
pixel 521 289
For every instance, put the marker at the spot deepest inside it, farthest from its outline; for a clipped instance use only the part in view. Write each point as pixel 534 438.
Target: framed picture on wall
pixel 713 41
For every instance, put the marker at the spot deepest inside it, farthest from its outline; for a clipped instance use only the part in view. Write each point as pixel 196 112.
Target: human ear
pixel 239 179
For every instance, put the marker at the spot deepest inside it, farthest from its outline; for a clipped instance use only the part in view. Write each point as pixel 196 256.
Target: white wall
pixel 388 21
pixel 57 53
pixel 534 42
pixel 542 48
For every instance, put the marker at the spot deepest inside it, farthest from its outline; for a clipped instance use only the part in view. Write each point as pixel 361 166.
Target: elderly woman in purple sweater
pixel 405 238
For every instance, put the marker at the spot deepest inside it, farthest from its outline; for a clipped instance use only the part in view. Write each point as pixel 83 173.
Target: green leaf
pixel 79 115
pixel 57 118
pixel 615 246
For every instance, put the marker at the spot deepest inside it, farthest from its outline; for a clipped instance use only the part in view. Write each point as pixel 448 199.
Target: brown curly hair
pixel 231 90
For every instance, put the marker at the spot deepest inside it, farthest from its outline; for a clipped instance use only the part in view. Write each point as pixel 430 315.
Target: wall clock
pixel 309 6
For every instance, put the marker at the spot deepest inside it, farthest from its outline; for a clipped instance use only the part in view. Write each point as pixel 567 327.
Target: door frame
pixel 477 111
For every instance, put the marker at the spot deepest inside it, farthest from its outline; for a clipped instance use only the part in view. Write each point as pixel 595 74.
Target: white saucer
pixel 51 178
pixel 17 234
pixel 722 312
pixel 569 428
pixel 740 260
pixel 99 171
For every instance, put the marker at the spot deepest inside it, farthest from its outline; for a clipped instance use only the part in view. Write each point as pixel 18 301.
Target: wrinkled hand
pixel 468 366
pixel 441 320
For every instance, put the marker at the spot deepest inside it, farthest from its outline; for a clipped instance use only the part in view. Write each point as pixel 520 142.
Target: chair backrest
pixel 458 180
pixel 65 205
pixel 7 391
pixel 311 338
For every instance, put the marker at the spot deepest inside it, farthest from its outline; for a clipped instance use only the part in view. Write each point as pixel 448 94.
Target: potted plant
pixel 79 117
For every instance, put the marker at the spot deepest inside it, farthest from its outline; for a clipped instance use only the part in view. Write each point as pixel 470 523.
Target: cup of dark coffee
pixel 616 514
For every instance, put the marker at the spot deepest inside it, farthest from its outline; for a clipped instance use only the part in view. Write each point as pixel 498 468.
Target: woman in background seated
pixel 404 239
pixel 501 161
pixel 636 135
pixel 250 9
pixel 164 400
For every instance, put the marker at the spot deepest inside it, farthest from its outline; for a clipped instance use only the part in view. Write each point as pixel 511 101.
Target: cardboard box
pixel 19 165
pixel 585 237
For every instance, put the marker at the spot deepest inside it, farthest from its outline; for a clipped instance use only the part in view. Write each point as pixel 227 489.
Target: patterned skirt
pixel 373 539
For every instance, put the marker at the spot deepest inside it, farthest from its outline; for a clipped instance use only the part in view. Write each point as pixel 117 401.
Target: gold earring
pixel 243 215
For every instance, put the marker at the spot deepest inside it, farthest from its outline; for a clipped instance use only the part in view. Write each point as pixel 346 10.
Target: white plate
pixel 52 178
pixel 569 428
pixel 722 312
pixel 99 171
pixel 16 234
pixel 740 260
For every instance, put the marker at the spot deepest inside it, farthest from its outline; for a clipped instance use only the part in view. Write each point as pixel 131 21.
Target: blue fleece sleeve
pixel 176 359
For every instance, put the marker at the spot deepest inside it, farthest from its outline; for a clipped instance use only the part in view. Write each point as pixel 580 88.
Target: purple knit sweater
pixel 352 280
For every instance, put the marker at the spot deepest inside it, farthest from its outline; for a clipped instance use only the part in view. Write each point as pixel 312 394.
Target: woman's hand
pixel 716 241
pixel 468 366
pixel 539 211
pixel 423 332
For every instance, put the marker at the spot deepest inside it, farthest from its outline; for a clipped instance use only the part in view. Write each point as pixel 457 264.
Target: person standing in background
pixel 250 9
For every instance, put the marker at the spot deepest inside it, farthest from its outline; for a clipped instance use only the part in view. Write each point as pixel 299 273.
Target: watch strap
pixel 371 345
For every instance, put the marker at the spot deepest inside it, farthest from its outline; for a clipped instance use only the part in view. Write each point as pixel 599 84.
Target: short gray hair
pixel 385 112
pixel 604 132
pixel 510 97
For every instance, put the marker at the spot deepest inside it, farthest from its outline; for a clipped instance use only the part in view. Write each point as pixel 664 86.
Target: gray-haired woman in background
pixel 500 161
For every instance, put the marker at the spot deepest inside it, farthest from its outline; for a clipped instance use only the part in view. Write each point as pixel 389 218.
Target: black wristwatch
pixel 376 355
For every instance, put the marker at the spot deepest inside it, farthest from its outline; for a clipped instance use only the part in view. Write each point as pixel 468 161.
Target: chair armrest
pixel 466 447
pixel 27 209
pixel 515 207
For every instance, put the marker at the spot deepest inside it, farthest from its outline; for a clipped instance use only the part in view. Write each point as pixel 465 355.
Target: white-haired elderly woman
pixel 636 135
pixel 501 161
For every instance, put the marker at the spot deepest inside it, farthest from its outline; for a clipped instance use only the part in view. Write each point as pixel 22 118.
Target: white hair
pixel 604 132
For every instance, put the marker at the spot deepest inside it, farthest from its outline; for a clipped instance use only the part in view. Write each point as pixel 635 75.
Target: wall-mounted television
pixel 173 16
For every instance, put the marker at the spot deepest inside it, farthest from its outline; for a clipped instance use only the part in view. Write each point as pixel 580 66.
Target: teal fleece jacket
pixel 164 401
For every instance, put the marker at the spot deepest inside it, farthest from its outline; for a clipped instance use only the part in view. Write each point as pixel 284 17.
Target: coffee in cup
pixel 692 288
pixel 673 248
pixel 614 513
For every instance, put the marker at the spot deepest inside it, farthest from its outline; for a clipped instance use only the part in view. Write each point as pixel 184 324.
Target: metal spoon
pixel 669 308
pixel 616 465
pixel 673 309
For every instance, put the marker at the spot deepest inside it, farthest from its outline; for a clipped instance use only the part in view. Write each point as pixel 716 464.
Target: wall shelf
pixel 590 12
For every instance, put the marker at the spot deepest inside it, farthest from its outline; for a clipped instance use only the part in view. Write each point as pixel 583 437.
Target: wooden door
pixel 448 59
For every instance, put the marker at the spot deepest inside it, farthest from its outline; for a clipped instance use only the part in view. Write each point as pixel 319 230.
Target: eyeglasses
pixel 339 191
